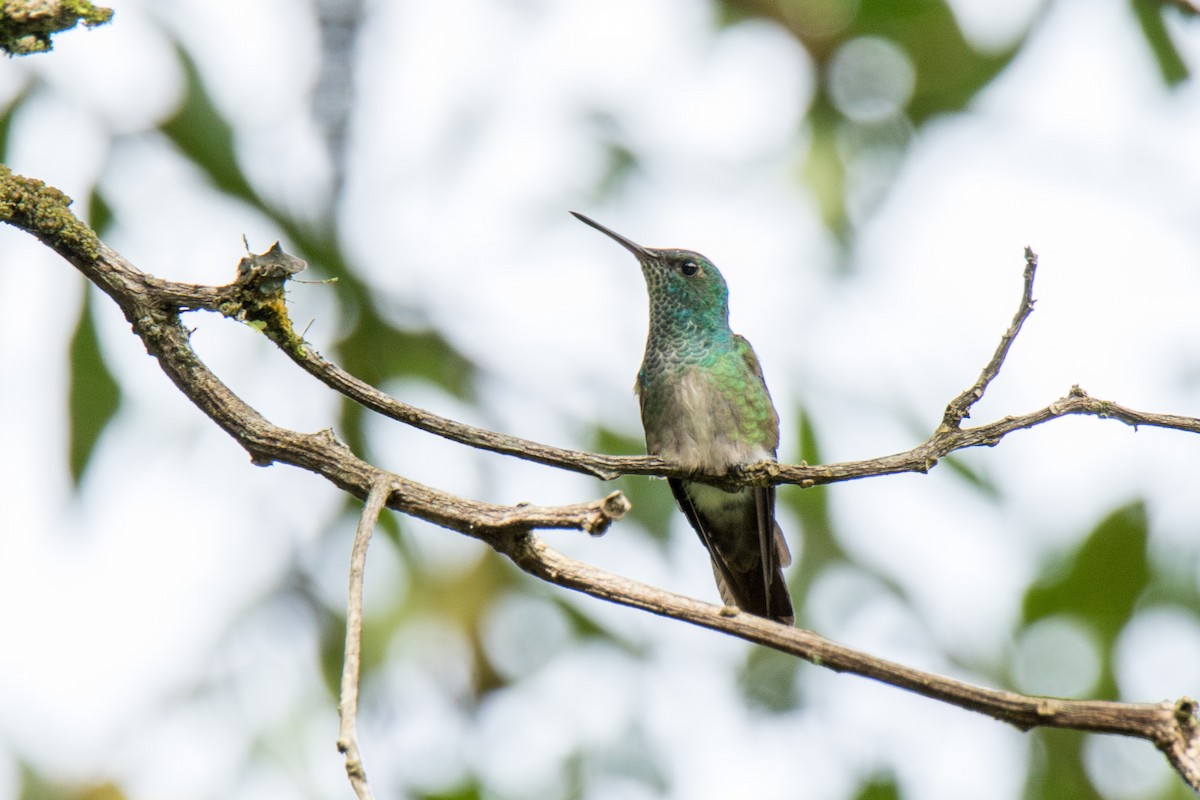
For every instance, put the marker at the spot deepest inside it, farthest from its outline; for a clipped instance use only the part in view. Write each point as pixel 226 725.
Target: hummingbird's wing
pixel 721 567
pixel 748 355
pixel 755 585
pixel 770 538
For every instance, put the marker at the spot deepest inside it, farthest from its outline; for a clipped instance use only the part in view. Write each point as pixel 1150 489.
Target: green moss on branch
pixel 27 25
pixel 44 211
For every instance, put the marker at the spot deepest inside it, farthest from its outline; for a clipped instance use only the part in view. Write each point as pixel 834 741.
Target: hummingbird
pixel 705 407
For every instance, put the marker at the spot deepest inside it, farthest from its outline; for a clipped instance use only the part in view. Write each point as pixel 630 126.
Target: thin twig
pixel 944 441
pixel 347 742
pixel 960 407
pixel 597 465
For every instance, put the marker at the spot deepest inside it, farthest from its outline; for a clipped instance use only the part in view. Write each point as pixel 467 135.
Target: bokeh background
pixel 865 173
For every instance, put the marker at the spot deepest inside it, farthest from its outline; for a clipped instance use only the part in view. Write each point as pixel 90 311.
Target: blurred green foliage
pixel 948 72
pixel 821 548
pixel 372 348
pixel 35 786
pixel 471 791
pixel 768 680
pixel 1056 768
pixel 879 789
pixel 1097 584
pixel 653 507
pixel 1101 583
pixel 206 138
pixel 93 394
pixel 1151 16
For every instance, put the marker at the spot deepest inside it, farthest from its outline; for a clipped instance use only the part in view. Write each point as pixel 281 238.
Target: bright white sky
pixel 109 604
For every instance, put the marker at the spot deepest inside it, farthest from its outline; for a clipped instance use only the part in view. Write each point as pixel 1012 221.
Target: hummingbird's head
pixel 681 283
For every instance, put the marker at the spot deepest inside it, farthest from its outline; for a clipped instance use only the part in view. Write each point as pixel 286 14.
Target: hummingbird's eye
pixel 689 268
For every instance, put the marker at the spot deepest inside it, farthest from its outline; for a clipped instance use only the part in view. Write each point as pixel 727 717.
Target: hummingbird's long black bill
pixel 628 244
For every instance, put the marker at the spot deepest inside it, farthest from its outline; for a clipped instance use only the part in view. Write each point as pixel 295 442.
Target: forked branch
pixel 154 307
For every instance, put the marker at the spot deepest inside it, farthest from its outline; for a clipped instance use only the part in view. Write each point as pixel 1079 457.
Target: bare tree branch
pixel 960 407
pixel 1171 726
pixel 348 703
pixel 153 307
pixel 945 440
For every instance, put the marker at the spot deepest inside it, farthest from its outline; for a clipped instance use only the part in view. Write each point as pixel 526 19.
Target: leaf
pixel 331 637
pixel 1171 65
pixel 6 122
pixel 621 161
pixel 100 214
pixel 1057 766
pixel 1102 580
pixel 93 394
pixel 767 680
pixel 36 786
pixel 371 349
pixel 950 72
pixel 731 13
pixel 205 137
pixel 468 791
pixel 978 480
pixel 821 546
pixel 879 788
pixel 1100 583
pixel 377 352
pixel 653 507
pixel 586 629
pixel 461 600
pixel 824 170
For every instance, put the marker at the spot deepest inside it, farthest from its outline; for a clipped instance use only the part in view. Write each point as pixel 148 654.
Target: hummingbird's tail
pixel 746 591
pixel 747 548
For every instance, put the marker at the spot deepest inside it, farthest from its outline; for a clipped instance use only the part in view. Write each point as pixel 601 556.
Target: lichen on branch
pixel 27 25
pixel 44 211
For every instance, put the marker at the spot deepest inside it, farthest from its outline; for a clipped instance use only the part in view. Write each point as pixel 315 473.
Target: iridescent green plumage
pixel 705 406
